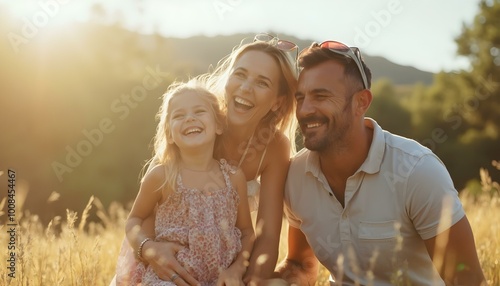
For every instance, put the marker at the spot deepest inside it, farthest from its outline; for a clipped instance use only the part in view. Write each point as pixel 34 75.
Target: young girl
pixel 200 202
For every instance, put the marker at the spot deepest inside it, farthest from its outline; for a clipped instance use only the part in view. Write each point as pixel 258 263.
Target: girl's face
pixel 192 121
pixel 252 88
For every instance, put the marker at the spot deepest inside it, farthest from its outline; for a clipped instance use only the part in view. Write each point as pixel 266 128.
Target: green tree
pixel 386 108
pixel 480 43
pixel 458 116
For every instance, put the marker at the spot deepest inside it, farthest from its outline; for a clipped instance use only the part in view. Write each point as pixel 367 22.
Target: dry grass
pixel 71 251
pixel 483 211
pixel 67 251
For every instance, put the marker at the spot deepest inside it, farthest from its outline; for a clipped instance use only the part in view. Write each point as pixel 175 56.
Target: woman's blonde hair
pixel 283 119
pixel 168 155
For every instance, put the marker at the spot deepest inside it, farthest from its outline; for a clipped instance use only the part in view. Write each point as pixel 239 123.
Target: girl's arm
pixel 145 202
pixel 140 226
pixel 234 274
pixel 270 213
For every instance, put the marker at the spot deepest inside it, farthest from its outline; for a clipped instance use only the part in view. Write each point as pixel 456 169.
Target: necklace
pixel 246 151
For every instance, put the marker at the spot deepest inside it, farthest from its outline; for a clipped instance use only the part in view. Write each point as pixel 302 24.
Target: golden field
pixel 71 251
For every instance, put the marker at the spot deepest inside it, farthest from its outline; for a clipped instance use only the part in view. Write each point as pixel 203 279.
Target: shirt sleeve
pixel 432 201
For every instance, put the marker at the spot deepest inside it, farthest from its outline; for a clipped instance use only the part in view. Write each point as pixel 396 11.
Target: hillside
pixel 199 52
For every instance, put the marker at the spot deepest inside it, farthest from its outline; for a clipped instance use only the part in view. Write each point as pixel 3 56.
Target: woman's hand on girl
pixel 161 257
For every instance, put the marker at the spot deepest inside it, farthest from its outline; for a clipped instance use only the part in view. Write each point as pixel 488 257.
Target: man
pixel 374 208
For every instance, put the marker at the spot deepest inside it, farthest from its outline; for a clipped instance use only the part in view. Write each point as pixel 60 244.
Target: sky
pixel 407 32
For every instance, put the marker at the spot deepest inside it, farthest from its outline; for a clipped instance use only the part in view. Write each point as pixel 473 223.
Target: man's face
pixel 324 106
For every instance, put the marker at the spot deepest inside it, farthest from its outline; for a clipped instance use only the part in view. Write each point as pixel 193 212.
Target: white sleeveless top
pixel 253 186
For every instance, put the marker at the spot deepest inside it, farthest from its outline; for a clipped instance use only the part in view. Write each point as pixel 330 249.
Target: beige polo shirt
pixel 397 198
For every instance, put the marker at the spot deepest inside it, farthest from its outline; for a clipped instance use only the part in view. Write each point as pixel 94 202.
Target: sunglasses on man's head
pixel 343 49
pixel 282 45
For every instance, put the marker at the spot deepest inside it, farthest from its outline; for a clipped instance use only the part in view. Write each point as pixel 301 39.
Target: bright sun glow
pixel 42 20
pixel 48 14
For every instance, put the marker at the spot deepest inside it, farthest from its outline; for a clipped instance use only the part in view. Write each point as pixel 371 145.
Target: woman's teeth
pixel 243 103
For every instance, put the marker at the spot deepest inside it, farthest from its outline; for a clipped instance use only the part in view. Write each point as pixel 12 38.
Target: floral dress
pixel 204 222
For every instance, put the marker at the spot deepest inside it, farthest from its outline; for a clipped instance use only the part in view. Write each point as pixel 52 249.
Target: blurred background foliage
pixel 61 85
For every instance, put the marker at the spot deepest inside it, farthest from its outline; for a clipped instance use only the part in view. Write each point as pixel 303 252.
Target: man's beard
pixel 334 139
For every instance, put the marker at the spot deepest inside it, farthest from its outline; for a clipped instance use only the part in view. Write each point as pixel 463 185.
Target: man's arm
pixel 453 252
pixel 300 266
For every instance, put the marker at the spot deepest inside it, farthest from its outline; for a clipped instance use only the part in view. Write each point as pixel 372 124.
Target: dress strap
pixel 246 151
pixel 226 169
pixel 179 181
pixel 262 158
pixel 260 163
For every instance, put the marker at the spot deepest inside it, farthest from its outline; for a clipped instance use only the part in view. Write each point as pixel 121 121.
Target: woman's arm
pixel 270 213
pixel 234 274
pixel 160 255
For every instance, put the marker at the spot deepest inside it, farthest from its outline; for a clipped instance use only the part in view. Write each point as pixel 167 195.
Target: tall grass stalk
pixel 74 251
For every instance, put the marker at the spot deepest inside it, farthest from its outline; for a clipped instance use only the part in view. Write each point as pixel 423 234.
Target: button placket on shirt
pixel 345 229
pixel 345 226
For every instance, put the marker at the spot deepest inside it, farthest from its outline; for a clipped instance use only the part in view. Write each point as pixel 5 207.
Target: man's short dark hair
pixel 315 55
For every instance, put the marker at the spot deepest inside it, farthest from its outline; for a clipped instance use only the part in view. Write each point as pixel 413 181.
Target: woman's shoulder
pixel 279 144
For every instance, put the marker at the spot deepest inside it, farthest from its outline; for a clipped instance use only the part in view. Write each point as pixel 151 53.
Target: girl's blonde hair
pixel 168 155
pixel 283 119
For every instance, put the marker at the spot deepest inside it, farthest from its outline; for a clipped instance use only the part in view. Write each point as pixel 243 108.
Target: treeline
pixel 458 115
pixel 79 103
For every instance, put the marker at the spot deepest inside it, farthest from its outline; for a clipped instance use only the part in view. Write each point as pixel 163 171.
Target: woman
pixel 257 83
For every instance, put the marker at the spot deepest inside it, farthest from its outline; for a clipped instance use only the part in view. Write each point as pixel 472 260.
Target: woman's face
pixel 252 88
